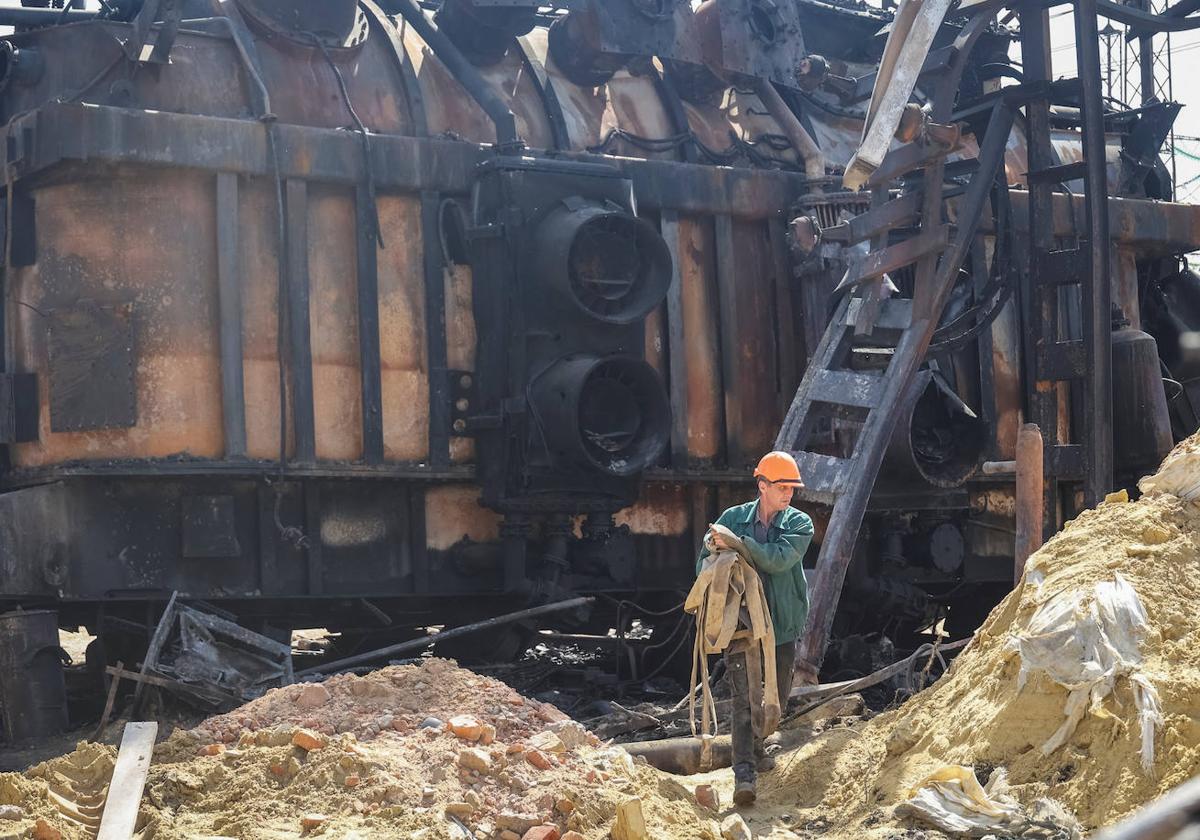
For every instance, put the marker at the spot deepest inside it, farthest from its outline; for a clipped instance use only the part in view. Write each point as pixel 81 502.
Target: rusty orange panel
pixel 260 324
pixel 661 510
pixel 698 272
pixel 144 239
pixel 453 513
pixel 746 278
pixel 404 358
pixel 333 315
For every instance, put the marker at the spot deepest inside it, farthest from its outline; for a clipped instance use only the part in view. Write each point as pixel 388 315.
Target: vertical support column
pixel 229 292
pixel 1097 302
pixel 676 353
pixel 727 330
pixel 785 319
pixel 419 543
pixel 368 328
pixel 312 544
pixel 1041 315
pixel 1030 481
pixel 435 327
pixel 298 315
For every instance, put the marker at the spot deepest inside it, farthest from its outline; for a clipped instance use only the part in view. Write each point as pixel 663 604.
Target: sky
pixel 1181 82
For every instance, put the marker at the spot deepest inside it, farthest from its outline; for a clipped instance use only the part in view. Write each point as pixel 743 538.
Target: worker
pixel 775 536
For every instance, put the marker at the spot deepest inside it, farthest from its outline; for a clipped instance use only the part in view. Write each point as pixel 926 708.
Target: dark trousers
pixel 745 745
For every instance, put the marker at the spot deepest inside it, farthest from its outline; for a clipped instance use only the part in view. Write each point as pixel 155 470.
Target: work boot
pixel 744 790
pixel 764 761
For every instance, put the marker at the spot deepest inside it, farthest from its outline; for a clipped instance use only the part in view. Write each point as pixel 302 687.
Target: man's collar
pixel 753 513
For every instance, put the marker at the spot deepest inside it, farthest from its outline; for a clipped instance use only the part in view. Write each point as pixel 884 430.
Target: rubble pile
pixel 428 751
pixel 1126 734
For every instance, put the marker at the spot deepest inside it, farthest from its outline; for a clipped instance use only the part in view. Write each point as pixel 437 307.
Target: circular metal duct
pixel 604 262
pixel 608 413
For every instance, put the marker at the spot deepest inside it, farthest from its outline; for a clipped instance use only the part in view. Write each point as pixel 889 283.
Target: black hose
pixel 507 138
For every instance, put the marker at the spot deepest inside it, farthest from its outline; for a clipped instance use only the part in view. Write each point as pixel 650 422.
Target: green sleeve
pixel 782 554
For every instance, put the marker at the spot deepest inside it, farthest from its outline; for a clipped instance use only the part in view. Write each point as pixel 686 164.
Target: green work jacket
pixel 778 563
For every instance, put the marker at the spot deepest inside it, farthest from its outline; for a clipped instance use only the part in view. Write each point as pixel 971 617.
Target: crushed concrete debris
pixel 366 761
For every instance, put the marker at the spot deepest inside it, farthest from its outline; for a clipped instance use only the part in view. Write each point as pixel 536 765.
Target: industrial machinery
pixel 373 315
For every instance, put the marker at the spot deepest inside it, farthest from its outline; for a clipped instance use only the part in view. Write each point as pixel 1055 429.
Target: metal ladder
pixel 831 387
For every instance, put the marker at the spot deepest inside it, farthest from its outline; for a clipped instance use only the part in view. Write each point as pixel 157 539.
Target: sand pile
pixel 426 752
pixel 981 716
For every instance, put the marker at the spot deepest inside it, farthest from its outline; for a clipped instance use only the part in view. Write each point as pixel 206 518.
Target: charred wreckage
pixel 375 315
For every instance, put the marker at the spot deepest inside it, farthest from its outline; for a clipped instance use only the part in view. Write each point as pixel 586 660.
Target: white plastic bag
pixel 953 800
pixel 1085 641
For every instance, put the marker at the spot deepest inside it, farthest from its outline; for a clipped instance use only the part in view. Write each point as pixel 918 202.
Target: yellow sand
pixel 853 778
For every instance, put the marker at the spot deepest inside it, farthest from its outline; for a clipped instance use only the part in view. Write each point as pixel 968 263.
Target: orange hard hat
pixel 779 468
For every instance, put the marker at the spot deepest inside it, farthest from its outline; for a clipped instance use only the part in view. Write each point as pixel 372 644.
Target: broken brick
pixel 466 727
pixel 312 696
pixel 353 781
pixel 42 830
pixel 211 749
pixel 706 797
pixel 310 821
pixel 308 740
pixel 538 759
pixel 541 832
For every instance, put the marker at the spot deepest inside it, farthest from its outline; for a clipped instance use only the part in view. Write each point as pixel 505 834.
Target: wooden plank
pixel 896 257
pixel 676 353
pixel 113 682
pixel 894 314
pixel 824 475
pixel 847 387
pixel 905 159
pixel 128 780
pixel 156 644
pixel 904 56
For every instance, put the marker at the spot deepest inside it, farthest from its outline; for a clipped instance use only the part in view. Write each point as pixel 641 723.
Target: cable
pixel 368 167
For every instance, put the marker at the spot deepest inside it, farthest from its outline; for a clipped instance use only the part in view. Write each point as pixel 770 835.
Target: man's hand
pixel 719 542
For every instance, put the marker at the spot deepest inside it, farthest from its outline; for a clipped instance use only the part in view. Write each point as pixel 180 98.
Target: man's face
pixel 776 496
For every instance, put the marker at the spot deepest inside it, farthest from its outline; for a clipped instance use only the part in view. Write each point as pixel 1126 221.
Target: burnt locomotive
pixel 371 316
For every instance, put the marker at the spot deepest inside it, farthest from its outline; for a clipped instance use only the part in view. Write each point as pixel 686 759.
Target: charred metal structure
pixel 371 315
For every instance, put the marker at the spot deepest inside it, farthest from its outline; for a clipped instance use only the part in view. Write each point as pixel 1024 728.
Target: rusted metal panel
pixel 701 339
pixel 453 514
pixel 1006 380
pixel 91 361
pixel 259 266
pixel 661 510
pixel 402 331
pixel 749 360
pixel 333 314
pixel 1125 284
pixel 124 238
